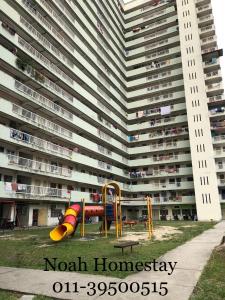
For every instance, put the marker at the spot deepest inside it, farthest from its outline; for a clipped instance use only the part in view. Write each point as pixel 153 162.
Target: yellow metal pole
pixel 105 219
pixel 83 218
pixel 116 217
pixel 151 215
pixel 149 225
pixel 120 210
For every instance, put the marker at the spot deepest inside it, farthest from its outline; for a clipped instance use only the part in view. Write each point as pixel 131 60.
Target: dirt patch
pixel 186 226
pixel 160 233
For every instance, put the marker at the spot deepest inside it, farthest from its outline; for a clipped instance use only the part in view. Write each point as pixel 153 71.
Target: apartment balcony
pixel 219 139
pixel 37 98
pixel 155 88
pixel 143 30
pixel 211 65
pixel 164 121
pixel 162 187
pixel 20 137
pixel 43 101
pixel 78 42
pixel 168 64
pixel 161 55
pixel 170 171
pixel 22 164
pixel 159 147
pixel 179 199
pixel 209 50
pixel 214 89
pixel 204 10
pixel 164 42
pixel 216 99
pixel 159 98
pixel 57 18
pixel 36 55
pixel 62 58
pixel 165 75
pixel 31 51
pixel 41 19
pixel 205 20
pixel 167 12
pixel 207 31
pixel 164 159
pixel 158 201
pixel 221 182
pixel 33 166
pixel 43 193
pixel 155 111
pixel 159 34
pixel 213 77
pixel 202 2
pixel 220 166
pixel 215 114
pixel 11 60
pixel 149 9
pixel 34 143
pixel 43 41
pixel 41 122
pixel 162 133
pixel 209 42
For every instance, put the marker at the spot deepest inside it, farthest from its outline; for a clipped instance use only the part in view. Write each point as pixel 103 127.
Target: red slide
pixel 70 220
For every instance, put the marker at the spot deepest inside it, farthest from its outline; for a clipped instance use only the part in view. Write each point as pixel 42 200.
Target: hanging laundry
pixel 140 114
pixel 165 110
pixel 8 187
pixel 14 186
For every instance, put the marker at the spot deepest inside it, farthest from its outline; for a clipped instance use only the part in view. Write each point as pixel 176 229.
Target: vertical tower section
pixel 202 153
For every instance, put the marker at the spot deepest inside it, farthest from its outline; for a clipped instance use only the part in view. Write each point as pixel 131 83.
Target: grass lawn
pixel 211 285
pixel 7 295
pixel 27 248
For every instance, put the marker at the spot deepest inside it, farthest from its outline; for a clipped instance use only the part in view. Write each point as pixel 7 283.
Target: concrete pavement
pixel 191 258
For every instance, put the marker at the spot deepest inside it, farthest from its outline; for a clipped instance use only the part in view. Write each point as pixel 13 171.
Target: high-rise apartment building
pixel 95 91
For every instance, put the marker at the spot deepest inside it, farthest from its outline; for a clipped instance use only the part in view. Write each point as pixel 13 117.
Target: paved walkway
pixel 191 259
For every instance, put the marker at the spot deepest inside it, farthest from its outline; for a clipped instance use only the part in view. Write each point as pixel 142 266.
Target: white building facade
pixel 95 91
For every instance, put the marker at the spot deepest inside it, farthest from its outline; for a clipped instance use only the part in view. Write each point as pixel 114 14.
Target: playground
pixel 27 248
pixel 72 237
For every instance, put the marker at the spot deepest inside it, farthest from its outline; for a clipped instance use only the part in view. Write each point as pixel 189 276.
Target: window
pixel 55 212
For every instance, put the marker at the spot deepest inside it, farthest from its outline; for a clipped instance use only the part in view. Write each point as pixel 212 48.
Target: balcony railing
pixel 44 21
pixel 168 132
pixel 216 98
pixel 201 8
pixel 44 60
pixel 39 143
pixel 43 41
pixel 104 150
pixel 41 122
pixel 208 39
pixel 212 74
pixel 214 86
pixel 38 98
pixel 104 165
pixel 59 19
pixel 33 73
pixel 217 139
pixel 104 136
pixel 35 191
pixel 38 166
pixel 208 50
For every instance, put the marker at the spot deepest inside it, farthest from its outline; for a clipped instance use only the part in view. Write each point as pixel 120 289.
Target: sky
pixel 219 21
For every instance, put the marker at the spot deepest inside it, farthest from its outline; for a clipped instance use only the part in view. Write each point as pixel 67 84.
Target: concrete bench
pixel 125 245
